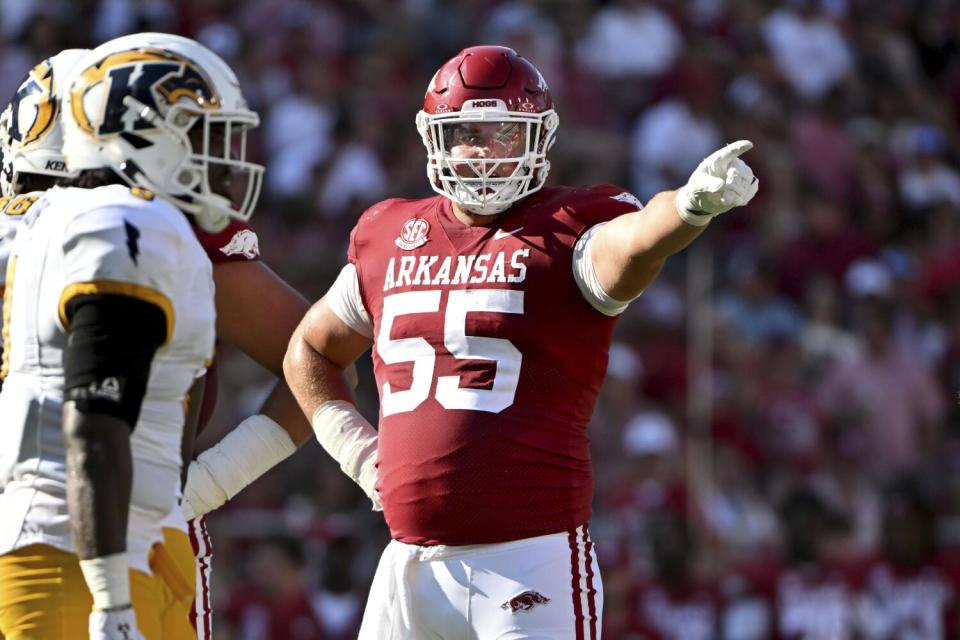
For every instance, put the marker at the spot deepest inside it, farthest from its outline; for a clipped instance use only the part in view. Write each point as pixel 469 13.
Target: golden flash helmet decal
pixel 33 110
pixel 156 78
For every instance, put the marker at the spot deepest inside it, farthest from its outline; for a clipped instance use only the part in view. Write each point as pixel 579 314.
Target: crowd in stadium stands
pixel 805 482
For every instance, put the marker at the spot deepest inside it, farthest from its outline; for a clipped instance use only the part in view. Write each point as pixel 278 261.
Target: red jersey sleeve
pixel 595 204
pixel 237 242
pixel 361 235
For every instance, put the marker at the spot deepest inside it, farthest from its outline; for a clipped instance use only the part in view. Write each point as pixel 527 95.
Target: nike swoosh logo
pixel 500 234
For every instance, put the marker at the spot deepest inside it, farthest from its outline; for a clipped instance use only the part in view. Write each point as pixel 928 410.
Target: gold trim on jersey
pixel 113 287
pixel 7 299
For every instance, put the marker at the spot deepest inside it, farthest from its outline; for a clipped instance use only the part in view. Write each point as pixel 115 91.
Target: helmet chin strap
pixel 213 219
pixel 487 210
pixel 504 200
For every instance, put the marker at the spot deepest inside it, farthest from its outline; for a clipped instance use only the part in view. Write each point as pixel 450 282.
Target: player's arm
pixel 628 252
pixel 256 312
pixel 111 341
pixel 194 406
pixel 333 334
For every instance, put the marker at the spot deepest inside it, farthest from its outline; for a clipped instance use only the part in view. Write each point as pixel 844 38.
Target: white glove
pixel 114 624
pixel 720 182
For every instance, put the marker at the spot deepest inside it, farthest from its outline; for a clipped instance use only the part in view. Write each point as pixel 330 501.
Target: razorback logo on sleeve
pixel 628 198
pixel 243 242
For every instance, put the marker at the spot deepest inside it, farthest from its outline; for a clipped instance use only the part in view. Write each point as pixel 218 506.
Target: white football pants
pixel 545 588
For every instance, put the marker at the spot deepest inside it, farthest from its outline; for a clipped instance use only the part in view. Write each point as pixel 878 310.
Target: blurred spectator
pixel 603 49
pixel 910 590
pixel 117 17
pixel 16 16
pixel 826 247
pixel 669 139
pixel 338 602
pixel 618 402
pixel 823 339
pixel 886 393
pixel 299 133
pixel 927 181
pixel 650 481
pixel 949 366
pixel 754 311
pixel 822 150
pixel 674 602
pixel 788 424
pixel 814 598
pixel 356 178
pixel 658 316
pixel 735 510
pixel 808 48
pixel 845 486
pixel 276 603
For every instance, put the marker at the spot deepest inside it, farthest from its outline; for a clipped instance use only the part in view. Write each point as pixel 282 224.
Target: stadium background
pixel 781 411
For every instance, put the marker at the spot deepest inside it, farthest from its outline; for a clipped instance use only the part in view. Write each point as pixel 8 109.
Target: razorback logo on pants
pixel 525 601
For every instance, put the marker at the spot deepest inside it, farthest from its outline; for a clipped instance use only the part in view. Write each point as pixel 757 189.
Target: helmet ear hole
pixel 187 179
pixel 181 119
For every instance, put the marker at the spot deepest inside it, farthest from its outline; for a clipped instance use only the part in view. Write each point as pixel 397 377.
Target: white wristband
pixel 108 578
pixel 351 441
pixel 686 209
pixel 222 471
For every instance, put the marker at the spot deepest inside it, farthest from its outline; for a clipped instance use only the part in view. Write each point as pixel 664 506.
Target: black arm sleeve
pixel 111 343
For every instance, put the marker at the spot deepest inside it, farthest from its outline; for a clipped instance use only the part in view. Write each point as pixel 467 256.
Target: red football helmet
pixel 487 123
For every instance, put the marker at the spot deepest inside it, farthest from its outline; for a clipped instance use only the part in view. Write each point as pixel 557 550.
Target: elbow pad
pixel 111 341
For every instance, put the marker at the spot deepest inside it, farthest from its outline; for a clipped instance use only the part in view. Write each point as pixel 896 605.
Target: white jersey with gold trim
pixel 86 241
pixel 12 210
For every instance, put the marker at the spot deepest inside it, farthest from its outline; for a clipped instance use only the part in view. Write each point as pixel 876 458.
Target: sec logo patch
pixel 413 234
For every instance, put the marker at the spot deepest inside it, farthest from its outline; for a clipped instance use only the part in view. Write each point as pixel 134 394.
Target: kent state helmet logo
pixel 413 234
pixel 151 76
pixel 33 109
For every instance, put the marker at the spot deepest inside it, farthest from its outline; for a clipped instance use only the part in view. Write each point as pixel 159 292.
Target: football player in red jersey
pixel 490 309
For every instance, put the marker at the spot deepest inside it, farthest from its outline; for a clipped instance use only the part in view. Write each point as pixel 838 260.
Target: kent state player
pixel 256 312
pixel 31 150
pixel 490 310
pixel 122 294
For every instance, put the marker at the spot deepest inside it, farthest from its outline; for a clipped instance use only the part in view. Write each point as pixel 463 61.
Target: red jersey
pixel 816 601
pixel 918 602
pixel 237 242
pixel 690 612
pixel 488 361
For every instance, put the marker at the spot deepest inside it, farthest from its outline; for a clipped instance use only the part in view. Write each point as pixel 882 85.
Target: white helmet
pixel 151 107
pixel 31 139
